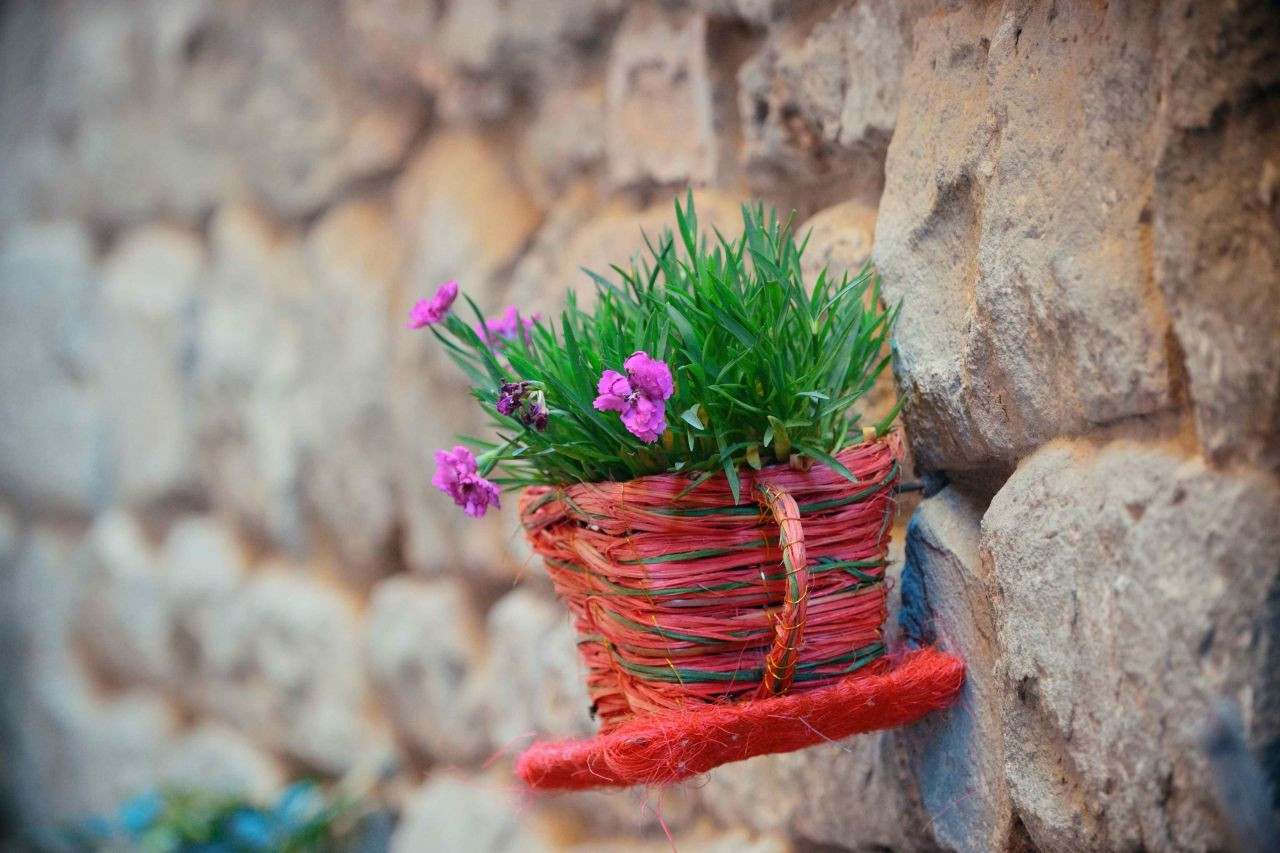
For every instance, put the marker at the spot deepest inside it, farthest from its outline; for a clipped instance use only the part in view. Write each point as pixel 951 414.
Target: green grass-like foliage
pixel 766 366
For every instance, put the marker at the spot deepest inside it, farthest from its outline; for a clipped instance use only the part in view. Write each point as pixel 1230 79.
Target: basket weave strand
pixel 788 624
pixel 681 600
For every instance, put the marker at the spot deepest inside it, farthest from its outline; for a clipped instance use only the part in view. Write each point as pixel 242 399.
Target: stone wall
pixel 221 559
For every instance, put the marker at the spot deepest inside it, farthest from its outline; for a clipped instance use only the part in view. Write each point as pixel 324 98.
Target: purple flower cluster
pixel 456 476
pixel 506 329
pixel 640 396
pixel 524 401
pixel 428 311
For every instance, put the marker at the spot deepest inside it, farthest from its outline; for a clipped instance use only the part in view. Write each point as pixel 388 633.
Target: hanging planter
pixel 726 571
pixel 714 631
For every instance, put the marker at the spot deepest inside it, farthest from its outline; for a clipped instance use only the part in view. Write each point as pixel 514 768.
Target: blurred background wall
pixel 221 559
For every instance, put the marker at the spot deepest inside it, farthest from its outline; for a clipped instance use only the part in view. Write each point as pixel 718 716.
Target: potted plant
pixel 704 498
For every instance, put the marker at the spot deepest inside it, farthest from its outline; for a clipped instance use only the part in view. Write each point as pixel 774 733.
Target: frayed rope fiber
pixel 713 629
pixel 668 748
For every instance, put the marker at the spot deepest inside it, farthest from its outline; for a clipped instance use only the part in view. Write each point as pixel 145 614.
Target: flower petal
pixel 649 375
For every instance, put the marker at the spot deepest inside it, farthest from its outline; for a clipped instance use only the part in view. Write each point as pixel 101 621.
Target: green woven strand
pixel 804 671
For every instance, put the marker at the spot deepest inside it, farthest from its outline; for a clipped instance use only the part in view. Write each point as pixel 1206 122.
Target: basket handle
pixel 780 662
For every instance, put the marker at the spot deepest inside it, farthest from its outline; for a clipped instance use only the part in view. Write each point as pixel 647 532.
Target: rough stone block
pixel 1136 589
pixel 956 754
pixel 392 37
pixel 354 259
pixel 658 100
pixel 526 44
pixel 202 566
pixel 241 102
pixel 565 141
pixel 248 371
pixel 303 128
pixel 702 839
pixel 124 622
pixel 423 645
pixel 213 757
pixel 292 377
pixel 52 432
pixel 542 693
pixel 584 232
pixel 79 755
pixel 69 752
pixel 1217 232
pixel 464 217
pixel 292 674
pixel 819 103
pixel 462 212
pixel 479 814
pixel 840 240
pixel 149 294
pixel 1013 225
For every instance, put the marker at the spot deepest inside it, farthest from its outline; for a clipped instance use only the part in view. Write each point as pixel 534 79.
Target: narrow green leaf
pixel 781 441
pixel 692 417
pixel 731 472
pixel 828 460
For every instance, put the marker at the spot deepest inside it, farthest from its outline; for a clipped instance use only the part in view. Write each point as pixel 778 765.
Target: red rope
pixel 667 748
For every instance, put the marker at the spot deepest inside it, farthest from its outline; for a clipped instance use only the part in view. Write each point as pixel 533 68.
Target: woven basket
pixel 713 631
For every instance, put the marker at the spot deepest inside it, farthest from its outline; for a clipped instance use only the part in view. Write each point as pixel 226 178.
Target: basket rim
pixel 667 748
pixel 817 474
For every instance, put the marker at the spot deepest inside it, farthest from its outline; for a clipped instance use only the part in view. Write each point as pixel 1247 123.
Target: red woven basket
pixel 713 631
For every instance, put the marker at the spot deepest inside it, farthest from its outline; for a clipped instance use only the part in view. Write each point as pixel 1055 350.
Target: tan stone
pixel 213 757
pixel 1217 233
pixel 1013 230
pixel 586 233
pixel 463 213
pixel 565 141
pixel 69 752
pixel 423 645
pixel 393 37
pixel 149 293
pixel 658 124
pixel 290 672
pixel 702 839
pixel 1135 589
pixel 123 116
pixel 819 102
pixel 457 813
pixel 125 624
pixel 248 372
pixel 202 565
pixel 957 754
pixel 466 218
pixel 540 694
pixel 840 242
pixel 52 429
pixel 354 259
pixel 858 792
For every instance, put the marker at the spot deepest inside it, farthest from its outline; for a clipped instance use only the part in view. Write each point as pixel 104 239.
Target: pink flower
pixel 456 476
pixel 428 311
pixel 501 331
pixel 613 389
pixel 640 395
pixel 651 376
